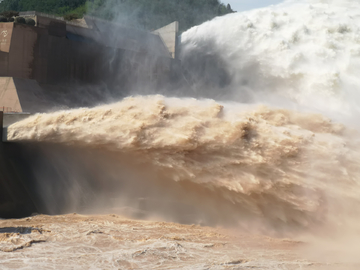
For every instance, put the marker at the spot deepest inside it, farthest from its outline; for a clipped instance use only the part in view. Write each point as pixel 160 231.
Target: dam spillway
pixel 60 64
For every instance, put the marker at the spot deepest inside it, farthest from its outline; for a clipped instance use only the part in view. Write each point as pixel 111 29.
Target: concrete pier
pixel 16 194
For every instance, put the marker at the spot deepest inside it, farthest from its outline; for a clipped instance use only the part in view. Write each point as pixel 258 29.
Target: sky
pixel 241 5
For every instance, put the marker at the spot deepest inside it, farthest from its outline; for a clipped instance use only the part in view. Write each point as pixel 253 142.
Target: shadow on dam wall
pixel 57 179
pixel 44 178
pixel 16 184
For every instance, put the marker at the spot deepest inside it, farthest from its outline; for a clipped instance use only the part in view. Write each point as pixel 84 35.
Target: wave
pixel 285 168
pixel 297 53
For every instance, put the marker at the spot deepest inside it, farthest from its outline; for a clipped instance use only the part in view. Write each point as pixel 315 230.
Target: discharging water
pixel 269 145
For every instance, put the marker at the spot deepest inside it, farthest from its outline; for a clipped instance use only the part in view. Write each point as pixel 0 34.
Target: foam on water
pixel 276 165
pixel 271 166
pixel 305 51
pixel 303 165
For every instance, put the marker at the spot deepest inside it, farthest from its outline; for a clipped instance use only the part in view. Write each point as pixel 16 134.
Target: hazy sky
pixel 240 5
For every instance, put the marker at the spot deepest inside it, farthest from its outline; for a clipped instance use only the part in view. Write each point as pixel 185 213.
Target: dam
pixel 54 60
pixel 254 148
pixel 61 64
pixel 253 163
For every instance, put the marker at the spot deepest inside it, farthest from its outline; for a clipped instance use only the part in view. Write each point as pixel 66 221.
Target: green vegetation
pixel 71 16
pixel 146 14
pixel 153 14
pixel 58 7
pixel 10 14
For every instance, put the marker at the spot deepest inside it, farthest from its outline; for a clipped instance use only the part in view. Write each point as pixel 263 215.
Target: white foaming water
pixel 233 163
pixel 281 166
pixel 305 51
pixel 274 165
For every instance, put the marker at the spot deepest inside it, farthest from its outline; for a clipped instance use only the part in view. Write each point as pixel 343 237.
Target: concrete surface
pixel 6 30
pixel 169 35
pixel 21 95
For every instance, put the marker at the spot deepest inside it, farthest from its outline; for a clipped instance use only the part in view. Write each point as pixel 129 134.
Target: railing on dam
pixel 7 109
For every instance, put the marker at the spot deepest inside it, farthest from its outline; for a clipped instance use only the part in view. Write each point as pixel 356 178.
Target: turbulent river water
pixel 270 143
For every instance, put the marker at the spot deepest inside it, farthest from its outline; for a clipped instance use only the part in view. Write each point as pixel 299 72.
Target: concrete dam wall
pixel 55 65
